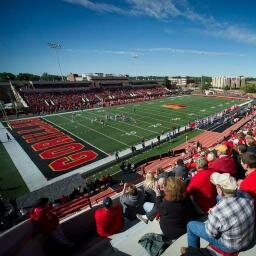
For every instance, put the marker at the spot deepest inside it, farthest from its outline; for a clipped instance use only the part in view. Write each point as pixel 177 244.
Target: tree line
pixel 6 76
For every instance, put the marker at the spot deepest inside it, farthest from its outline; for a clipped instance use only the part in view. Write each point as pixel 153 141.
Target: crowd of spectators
pixel 212 196
pixel 41 102
pixel 11 214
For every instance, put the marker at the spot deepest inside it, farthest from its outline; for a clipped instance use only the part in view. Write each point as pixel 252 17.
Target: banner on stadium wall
pixel 53 150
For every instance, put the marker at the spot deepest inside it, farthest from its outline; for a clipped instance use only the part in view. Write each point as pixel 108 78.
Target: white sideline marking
pixel 29 172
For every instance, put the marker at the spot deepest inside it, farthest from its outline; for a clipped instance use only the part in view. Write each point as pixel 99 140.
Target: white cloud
pixel 190 51
pixel 143 51
pixel 98 7
pixel 167 9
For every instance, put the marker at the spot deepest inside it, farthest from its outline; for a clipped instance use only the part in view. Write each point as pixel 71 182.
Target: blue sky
pixel 169 37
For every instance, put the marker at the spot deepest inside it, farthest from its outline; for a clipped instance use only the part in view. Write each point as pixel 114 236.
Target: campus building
pixel 181 81
pixel 221 82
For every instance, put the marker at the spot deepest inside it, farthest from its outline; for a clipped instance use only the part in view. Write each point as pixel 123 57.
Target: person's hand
pixel 239 182
pixel 157 189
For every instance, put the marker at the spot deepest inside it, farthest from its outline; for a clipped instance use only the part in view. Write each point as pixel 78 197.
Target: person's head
pixel 42 202
pixel 180 162
pixel 161 183
pixel 224 182
pixel 159 170
pixel 174 189
pixel 248 160
pixel 201 163
pixel 107 202
pixel 149 181
pixel 241 148
pixel 222 150
pixel 211 156
pixel 249 140
pixel 132 190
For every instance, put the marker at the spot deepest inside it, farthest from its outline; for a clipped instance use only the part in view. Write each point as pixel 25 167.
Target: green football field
pixel 140 120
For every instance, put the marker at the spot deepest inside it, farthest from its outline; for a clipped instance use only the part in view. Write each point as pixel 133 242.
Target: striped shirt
pixel 232 221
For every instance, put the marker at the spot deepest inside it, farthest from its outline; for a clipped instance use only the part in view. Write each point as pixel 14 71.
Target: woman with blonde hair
pixel 150 195
pixel 148 185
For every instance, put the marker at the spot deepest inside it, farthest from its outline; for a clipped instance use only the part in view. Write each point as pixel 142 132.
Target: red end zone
pixel 53 150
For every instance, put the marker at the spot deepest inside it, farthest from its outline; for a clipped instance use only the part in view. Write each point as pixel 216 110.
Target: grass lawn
pixel 162 148
pixel 12 184
pixel 142 120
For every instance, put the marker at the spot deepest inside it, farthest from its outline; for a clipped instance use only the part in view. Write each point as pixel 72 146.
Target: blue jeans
pixel 147 206
pixel 196 230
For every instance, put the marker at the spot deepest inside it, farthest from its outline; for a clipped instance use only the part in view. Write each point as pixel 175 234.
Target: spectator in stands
pixel 109 219
pixel 150 195
pixel 132 200
pixel 224 163
pixel 161 173
pixel 151 209
pixel 180 170
pixel 75 193
pixel 248 184
pixel 47 223
pixel 211 156
pixel 174 208
pixel 230 222
pixel 237 152
pixel 200 188
pixel 250 142
pixel 89 186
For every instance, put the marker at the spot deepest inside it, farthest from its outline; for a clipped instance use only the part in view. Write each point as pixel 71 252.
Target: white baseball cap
pixel 224 180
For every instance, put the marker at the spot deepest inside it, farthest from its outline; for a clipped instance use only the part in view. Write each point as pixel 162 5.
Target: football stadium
pixel 117 161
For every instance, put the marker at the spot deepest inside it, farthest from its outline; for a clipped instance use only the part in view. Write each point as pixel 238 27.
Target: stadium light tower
pixel 135 57
pixel 57 47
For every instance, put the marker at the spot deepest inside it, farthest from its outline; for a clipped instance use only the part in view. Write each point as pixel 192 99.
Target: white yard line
pixel 29 172
pixel 74 135
pixel 141 119
pixel 98 132
pixel 110 126
pixel 133 125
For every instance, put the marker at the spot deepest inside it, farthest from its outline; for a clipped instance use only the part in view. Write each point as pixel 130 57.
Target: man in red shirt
pixel 47 223
pixel 109 219
pixel 248 184
pixel 201 189
pixel 224 163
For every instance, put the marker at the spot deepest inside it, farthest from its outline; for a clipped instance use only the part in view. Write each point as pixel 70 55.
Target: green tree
pixel 166 82
pixel 48 77
pixel 27 77
pixel 5 76
pixel 250 88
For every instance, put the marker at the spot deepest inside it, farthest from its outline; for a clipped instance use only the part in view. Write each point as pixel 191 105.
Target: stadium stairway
pixel 207 139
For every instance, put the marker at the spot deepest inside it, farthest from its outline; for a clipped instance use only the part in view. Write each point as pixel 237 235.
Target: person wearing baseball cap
pixel 230 223
pixel 109 219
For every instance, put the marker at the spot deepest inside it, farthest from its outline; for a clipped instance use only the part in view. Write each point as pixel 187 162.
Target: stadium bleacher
pixel 75 210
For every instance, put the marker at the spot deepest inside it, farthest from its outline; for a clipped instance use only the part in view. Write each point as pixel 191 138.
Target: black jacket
pixel 174 216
